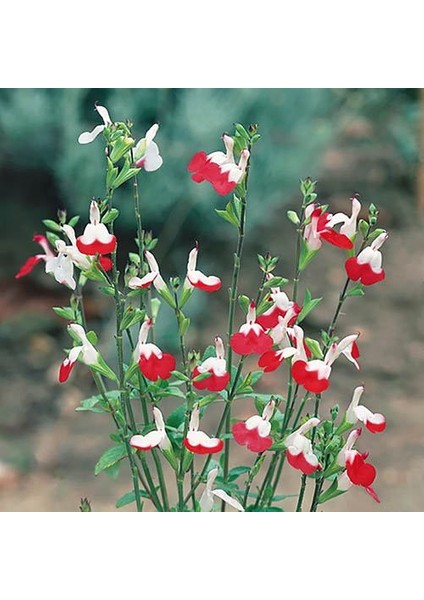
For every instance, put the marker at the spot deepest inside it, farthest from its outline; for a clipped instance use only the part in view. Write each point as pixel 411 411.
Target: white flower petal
pixel 88 136
pixel 231 501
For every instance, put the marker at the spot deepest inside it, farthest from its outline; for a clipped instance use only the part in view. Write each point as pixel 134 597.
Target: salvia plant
pixel 175 462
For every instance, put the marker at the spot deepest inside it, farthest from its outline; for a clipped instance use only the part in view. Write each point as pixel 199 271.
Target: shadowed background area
pixel 351 141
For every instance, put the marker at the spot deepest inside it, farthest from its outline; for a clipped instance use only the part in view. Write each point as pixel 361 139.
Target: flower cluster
pixel 273 337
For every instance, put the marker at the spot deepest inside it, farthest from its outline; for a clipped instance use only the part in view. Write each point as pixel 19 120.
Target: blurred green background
pixel 362 141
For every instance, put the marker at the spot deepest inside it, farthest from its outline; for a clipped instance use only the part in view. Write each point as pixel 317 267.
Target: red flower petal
pixel 250 343
pixel 360 472
pixel 375 427
pixel 197 162
pixel 154 368
pixel 363 272
pixel 96 247
pixel 250 438
pixel 65 370
pixel 199 449
pixel 105 263
pixel 309 379
pixel 28 266
pixel 214 383
pixel 298 461
pixel 270 361
pixel 337 239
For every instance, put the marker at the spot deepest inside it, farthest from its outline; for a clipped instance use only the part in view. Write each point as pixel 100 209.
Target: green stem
pixel 150 481
pixel 180 487
pixel 301 493
pixel 252 474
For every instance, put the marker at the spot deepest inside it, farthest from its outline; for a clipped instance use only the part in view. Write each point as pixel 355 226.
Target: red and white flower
pixel 299 452
pixel 62 266
pixel 152 362
pixel 153 277
pixel 154 438
pixel 358 471
pixel 85 352
pixel 251 337
pixel 314 375
pixel 199 442
pixel 281 304
pixel 367 266
pixel 146 152
pixel 374 422
pixel 321 227
pixel 272 359
pixel 195 278
pixel 254 433
pixel 96 238
pixel 217 367
pixel 32 261
pixel 88 136
pixel 218 168
pixel 207 499
pixel 350 224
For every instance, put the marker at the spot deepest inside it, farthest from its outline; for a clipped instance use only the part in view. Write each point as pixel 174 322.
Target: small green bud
pixel 292 216
pixel 85 505
pixel 334 412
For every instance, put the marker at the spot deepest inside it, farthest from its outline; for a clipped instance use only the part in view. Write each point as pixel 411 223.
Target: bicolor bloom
pixel 81 260
pixel 146 152
pixel 153 276
pixel 152 362
pixel 350 224
pixel 254 433
pixel 280 305
pixel 272 359
pixel 358 471
pixel 96 238
pixel 217 367
pixel 314 375
pixel 321 227
pixel 88 136
pixel 367 266
pixel 195 278
pixel 199 442
pixel 207 499
pixel 32 261
pixel 85 352
pixel 299 452
pixel 374 422
pixel 251 338
pixel 218 168
pixel 154 438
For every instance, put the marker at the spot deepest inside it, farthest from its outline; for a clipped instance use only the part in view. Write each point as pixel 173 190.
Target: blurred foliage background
pixel 351 140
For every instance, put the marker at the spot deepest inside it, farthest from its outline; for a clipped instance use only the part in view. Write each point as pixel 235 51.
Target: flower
pixel 197 279
pixel 32 261
pixel 88 136
pixel 218 168
pixel 299 451
pixel 153 277
pixel 199 442
pixel 62 266
pixel 86 352
pixel 314 375
pixel 152 362
pixel 154 438
pixel 349 226
pixel 366 267
pixel 251 338
pixel 254 432
pixel 207 499
pixel 358 472
pixel 272 359
pixel 321 227
pixel 96 238
pixel 374 422
pixel 281 304
pixel 146 153
pixel 216 366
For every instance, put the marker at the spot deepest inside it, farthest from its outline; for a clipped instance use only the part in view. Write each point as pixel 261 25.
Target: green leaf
pixel 206 400
pixel 74 220
pixel 52 237
pixel 108 290
pixel 229 214
pixel 91 405
pixel 315 348
pixel 92 337
pixel 244 302
pixel 254 508
pixel 110 457
pixel 110 216
pixel 356 290
pixel 52 225
pixel 275 282
pixel 308 305
pixel 131 317
pixel 176 418
pixel 293 217
pixel 237 471
pixel 66 312
pixel 306 256
pixel 129 498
